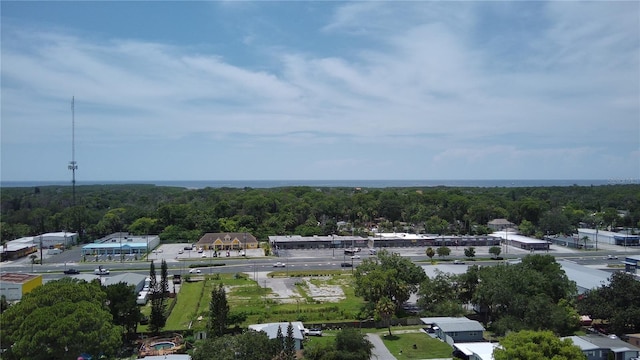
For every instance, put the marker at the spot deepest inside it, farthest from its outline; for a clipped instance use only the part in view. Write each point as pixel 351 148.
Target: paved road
pixel 379 352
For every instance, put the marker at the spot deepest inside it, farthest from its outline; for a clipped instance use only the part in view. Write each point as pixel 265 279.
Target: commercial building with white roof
pixel 523 242
pixel 609 237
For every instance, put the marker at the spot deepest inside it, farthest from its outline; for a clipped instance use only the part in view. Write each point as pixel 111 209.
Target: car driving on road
pixel 101 271
pixel 279 264
pixel 71 272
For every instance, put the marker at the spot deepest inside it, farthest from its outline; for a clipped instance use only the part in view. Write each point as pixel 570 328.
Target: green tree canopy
pixel 123 307
pixel 617 303
pixel 443 251
pixel 536 345
pixel 250 345
pixel 495 251
pixel 387 275
pixel 534 294
pixel 59 320
pixel 440 295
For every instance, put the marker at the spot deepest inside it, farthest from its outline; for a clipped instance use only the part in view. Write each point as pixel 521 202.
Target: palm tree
pixel 386 308
pixel 430 253
pixel 585 238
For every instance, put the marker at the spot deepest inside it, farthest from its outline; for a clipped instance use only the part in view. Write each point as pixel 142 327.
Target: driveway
pixel 379 351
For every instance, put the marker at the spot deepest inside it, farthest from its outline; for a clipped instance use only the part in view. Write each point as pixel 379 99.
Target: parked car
pixel 71 271
pixel 194 271
pixel 101 271
pixel 280 264
pixel 313 332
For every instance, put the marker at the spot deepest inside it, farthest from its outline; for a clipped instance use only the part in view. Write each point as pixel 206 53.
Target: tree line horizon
pixel 181 214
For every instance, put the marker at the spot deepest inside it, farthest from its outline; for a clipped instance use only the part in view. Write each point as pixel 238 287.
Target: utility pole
pixel 73 165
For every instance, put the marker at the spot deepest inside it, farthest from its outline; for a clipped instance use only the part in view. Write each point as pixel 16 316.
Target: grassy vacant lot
pixel 426 347
pixel 245 295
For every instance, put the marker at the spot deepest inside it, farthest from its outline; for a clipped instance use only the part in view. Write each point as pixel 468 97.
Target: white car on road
pixel 279 264
pixel 101 271
pixel 194 271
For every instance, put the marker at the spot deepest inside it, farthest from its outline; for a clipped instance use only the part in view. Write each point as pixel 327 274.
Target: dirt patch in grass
pixel 324 292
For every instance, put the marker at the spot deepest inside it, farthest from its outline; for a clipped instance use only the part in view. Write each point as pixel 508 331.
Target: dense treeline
pixel 179 214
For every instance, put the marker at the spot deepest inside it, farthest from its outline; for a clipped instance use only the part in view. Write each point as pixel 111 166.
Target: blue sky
pixel 321 90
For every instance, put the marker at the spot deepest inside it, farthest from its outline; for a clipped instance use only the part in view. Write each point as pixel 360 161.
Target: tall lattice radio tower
pixel 73 165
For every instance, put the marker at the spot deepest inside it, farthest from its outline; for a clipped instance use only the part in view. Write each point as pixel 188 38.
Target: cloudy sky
pixel 321 90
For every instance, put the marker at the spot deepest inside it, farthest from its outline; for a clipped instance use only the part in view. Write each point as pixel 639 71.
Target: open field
pixel 329 297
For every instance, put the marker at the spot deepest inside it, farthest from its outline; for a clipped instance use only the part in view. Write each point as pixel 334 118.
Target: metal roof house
pixel 455 329
pixel 272 331
pixel 597 347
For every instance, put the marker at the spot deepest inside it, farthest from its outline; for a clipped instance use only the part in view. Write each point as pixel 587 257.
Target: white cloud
pixel 414 77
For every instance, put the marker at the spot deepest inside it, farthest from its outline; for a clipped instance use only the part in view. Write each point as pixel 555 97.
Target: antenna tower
pixel 73 166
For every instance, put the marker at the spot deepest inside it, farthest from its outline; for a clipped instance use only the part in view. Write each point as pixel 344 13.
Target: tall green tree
pixel 439 296
pixel 536 345
pixel 164 278
pixel 218 311
pixel 616 302
pixel 289 344
pixel 59 320
pixel 123 307
pixel 158 319
pixel 387 275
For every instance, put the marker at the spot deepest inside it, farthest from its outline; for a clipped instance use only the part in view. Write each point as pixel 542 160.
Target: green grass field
pixel 401 345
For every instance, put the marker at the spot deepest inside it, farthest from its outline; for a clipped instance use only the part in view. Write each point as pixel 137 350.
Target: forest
pixel 181 214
